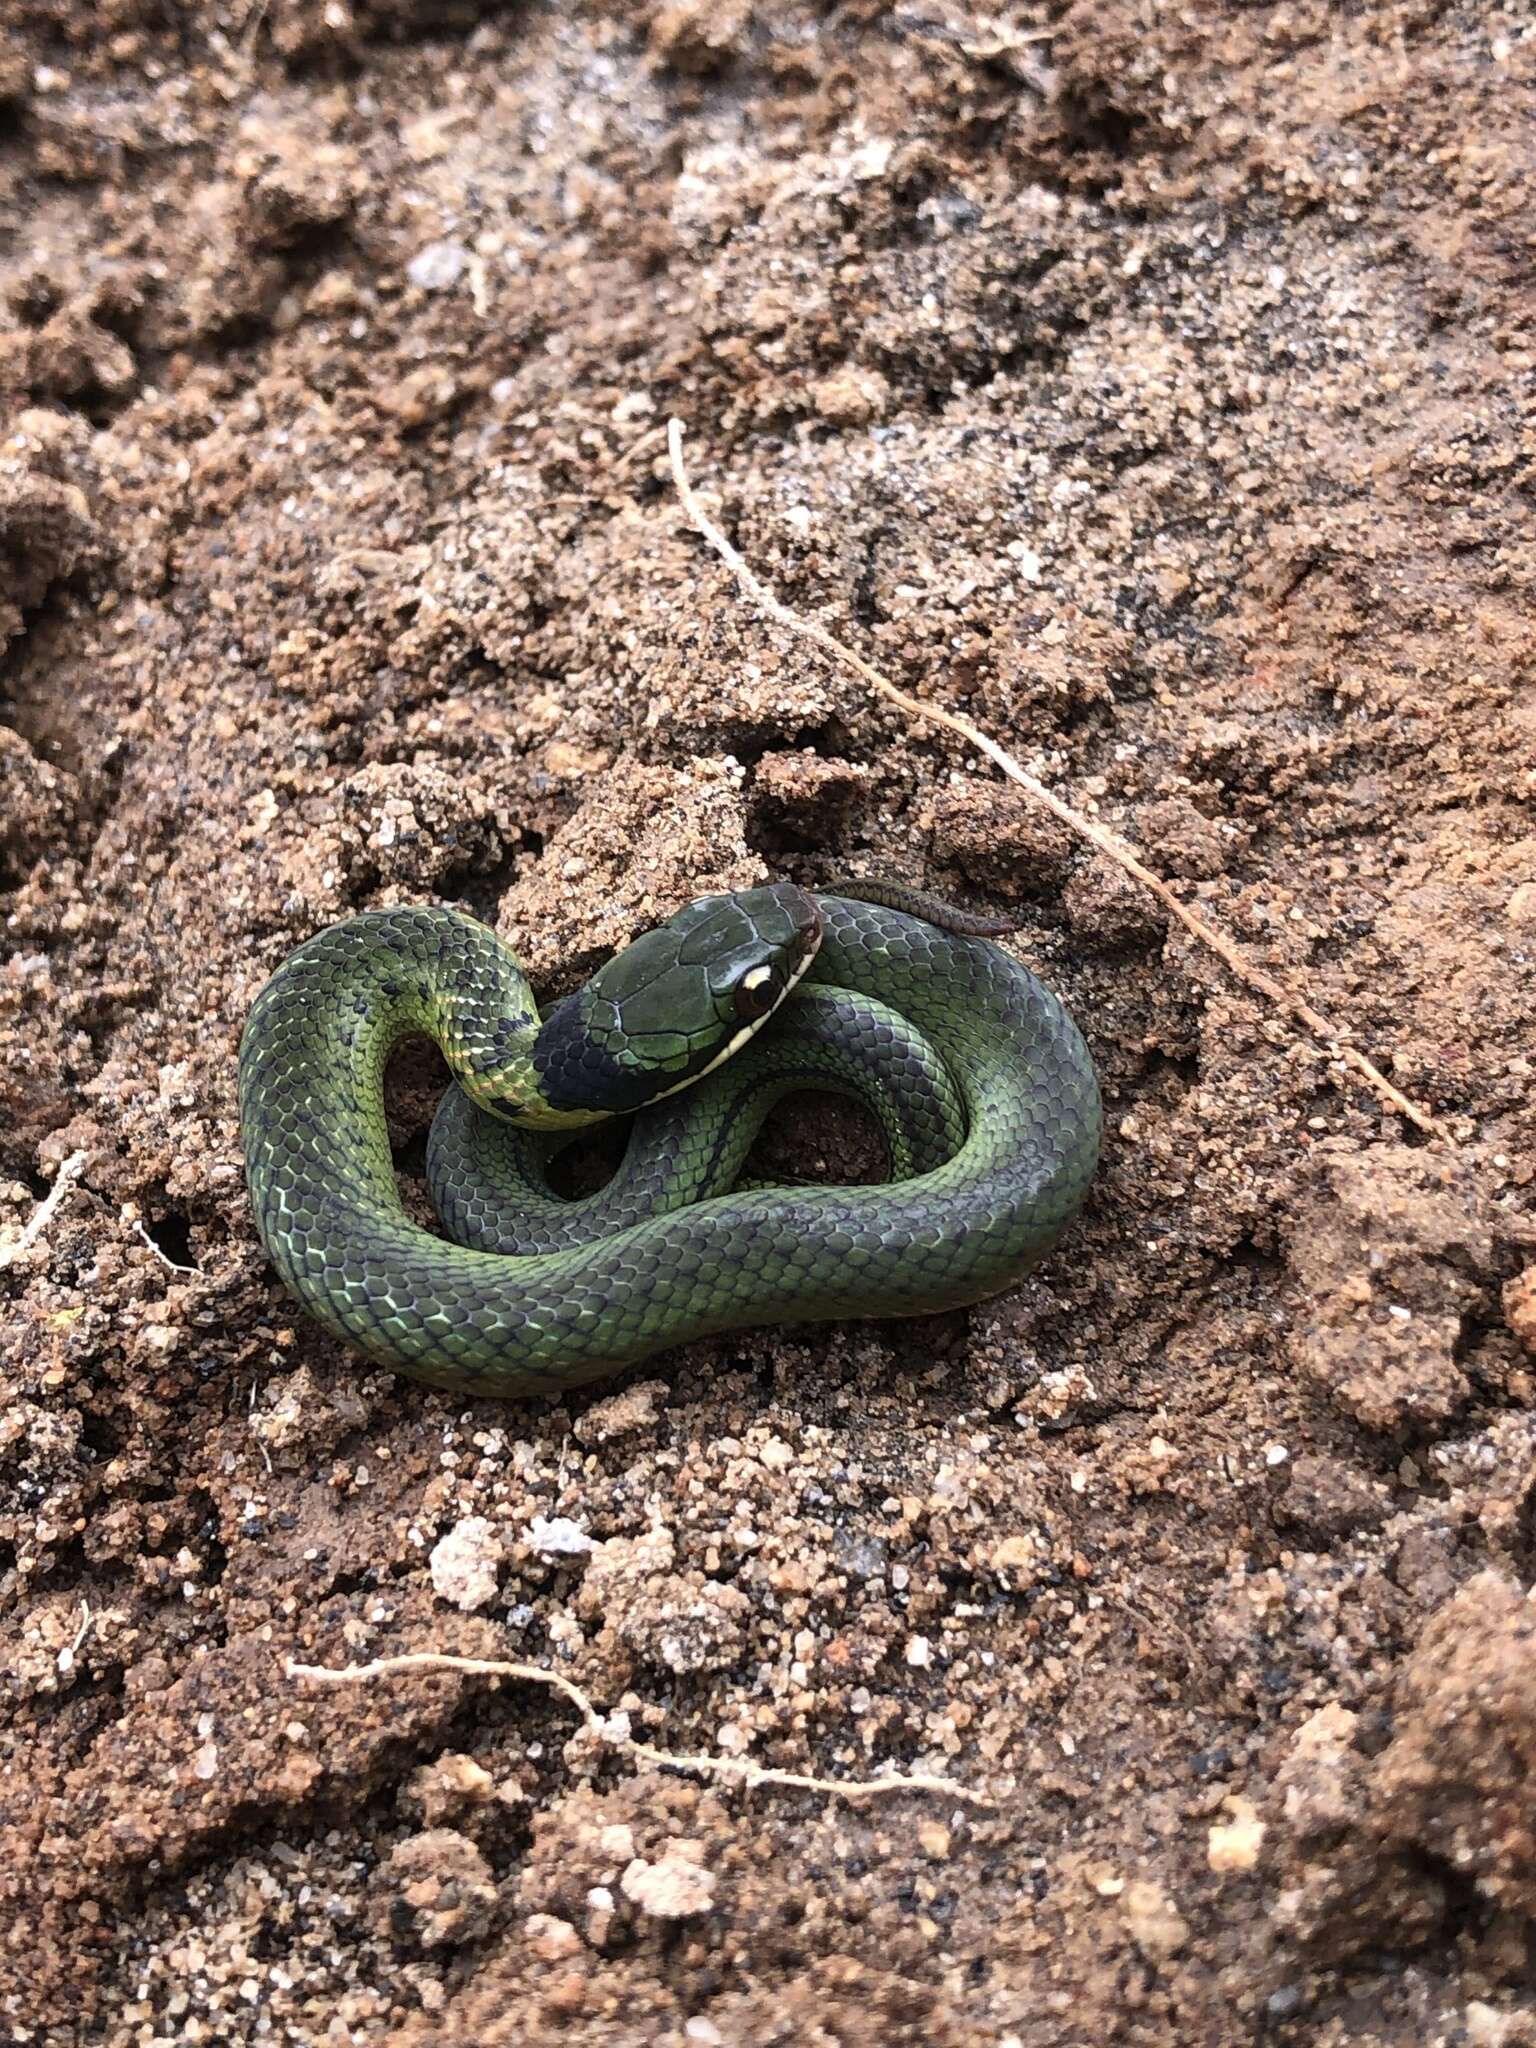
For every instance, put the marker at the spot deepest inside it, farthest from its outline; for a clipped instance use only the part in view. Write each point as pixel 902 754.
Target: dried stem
pixel 1333 1040
pixel 43 1214
pixel 739 1768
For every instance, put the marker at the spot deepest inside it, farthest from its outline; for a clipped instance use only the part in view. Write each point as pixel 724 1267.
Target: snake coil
pixel 979 1078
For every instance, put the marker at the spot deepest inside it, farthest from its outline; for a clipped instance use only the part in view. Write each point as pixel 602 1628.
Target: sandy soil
pixel 1154 384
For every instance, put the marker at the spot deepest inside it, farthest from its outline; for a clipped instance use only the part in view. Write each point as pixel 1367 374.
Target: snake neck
pixel 510 1092
pixel 502 1071
pixel 475 1006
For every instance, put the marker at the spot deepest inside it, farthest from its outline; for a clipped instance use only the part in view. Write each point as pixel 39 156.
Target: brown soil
pixel 1152 384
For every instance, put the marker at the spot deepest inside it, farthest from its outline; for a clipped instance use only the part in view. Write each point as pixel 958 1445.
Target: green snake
pixel 978 1077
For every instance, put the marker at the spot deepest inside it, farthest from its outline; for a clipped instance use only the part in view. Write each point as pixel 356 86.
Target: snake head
pixel 677 1002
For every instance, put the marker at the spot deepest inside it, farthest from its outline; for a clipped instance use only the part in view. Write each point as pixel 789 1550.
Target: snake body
pixel 978 1075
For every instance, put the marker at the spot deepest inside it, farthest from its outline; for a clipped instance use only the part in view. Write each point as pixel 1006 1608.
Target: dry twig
pixel 1333 1040
pixel 43 1214
pixel 740 1768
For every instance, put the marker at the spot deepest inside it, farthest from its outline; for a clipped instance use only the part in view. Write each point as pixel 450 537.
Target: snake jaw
pixel 672 1006
pixel 749 1030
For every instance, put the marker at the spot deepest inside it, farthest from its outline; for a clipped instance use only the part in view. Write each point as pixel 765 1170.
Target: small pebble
pixel 672 1888
pixel 464 1564
pixel 558 1537
pixel 437 266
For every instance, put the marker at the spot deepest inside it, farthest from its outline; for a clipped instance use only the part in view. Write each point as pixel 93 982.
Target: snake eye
pixel 756 993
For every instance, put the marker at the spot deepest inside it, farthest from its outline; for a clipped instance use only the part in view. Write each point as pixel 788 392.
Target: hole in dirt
pixel 1251 1257
pixel 783 842
pixel 480 892
pixel 1167 1077
pixel 410 1156
pixel 414 1083
pixel 589 1162
pixel 817 1139
pixel 101 1434
pixel 1466 1914
pixel 316 245
pixel 37 297
pixel 171 1235
pixel 1093 123
pixel 208 1543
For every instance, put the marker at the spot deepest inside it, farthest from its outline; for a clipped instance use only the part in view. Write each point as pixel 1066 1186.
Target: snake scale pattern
pixel 978 1077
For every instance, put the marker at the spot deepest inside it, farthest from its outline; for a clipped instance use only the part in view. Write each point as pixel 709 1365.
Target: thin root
pixel 43 1214
pixel 739 1768
pixel 171 1265
pixel 1332 1040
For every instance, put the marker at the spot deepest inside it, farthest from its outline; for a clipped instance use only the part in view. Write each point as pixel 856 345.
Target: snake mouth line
pixel 734 1045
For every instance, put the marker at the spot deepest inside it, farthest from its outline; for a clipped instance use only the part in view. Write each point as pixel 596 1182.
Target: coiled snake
pixel 977 1075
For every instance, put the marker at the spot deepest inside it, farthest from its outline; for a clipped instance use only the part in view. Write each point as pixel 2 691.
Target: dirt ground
pixel 1155 383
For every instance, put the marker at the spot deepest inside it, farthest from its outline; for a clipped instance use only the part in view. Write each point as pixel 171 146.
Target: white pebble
pixel 558 1537
pixel 463 1564
pixel 672 1888
pixel 437 266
